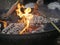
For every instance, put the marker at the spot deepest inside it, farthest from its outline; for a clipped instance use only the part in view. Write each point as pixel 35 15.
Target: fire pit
pixel 24 32
pixel 29 21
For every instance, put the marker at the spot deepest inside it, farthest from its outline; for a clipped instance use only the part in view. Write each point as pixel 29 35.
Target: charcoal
pixel 13 28
pixel 5 30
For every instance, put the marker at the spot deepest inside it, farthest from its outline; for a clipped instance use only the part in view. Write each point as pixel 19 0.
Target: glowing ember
pixel 5 23
pixel 26 16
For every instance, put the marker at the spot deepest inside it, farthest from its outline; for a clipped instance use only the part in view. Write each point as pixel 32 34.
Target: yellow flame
pixel 26 16
pixel 18 10
pixel 27 25
pixel 28 10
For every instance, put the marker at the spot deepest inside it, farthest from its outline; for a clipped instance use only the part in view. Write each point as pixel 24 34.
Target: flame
pixel 18 10
pixel 4 23
pixel 26 16
pixel 27 10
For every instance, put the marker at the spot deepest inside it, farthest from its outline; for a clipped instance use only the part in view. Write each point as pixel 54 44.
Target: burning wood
pixel 28 18
pixel 34 26
pixel 28 22
pixel 10 11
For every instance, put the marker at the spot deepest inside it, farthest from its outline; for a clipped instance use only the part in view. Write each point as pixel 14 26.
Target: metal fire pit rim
pixel 30 33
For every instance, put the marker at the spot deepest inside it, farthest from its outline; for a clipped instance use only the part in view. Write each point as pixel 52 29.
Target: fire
pixel 27 10
pixel 26 16
pixel 5 23
pixel 18 10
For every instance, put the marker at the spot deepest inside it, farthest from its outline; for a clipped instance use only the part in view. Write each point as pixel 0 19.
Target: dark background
pixel 6 4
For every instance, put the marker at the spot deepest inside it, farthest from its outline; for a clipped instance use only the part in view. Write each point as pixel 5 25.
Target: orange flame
pixel 4 23
pixel 18 10
pixel 26 16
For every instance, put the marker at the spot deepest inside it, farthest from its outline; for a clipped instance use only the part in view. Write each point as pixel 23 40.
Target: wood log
pixel 10 11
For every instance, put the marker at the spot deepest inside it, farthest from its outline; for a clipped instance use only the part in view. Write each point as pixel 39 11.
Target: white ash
pixel 39 19
pixel 31 5
pixel 55 20
pixel 13 28
pixel 54 5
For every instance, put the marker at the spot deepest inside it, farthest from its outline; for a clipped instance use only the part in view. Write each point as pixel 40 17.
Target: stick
pixel 11 10
pixel 55 26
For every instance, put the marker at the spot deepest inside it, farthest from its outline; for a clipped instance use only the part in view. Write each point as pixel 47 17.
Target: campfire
pixel 30 21
pixel 26 17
